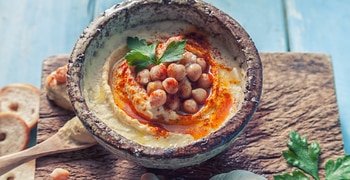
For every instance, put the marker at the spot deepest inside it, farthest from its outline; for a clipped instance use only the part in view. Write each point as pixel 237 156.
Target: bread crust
pixel 23 100
pixel 14 133
pixel 24 171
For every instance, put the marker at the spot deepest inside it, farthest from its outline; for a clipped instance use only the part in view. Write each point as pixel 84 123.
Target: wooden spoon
pixel 63 141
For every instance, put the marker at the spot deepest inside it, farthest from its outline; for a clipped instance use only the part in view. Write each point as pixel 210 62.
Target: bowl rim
pixel 102 132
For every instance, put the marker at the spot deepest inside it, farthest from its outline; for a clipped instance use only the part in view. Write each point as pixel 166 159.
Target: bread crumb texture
pixel 19 113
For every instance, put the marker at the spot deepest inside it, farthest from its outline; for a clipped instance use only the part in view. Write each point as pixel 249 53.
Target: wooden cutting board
pixel 298 94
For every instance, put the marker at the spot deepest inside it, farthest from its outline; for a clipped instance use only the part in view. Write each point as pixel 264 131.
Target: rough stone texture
pixel 298 94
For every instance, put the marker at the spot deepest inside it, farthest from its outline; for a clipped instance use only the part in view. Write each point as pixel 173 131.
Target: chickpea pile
pixel 182 86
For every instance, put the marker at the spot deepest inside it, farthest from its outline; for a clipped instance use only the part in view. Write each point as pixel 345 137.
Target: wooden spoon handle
pixel 53 145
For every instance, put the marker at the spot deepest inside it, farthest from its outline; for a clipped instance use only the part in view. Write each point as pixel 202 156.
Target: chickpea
pixel 205 80
pixel 177 71
pixel 157 98
pixel 202 63
pixel 200 95
pixel 143 77
pixel 193 72
pixel 166 64
pixel 189 58
pixel 154 85
pixel 185 88
pixel 174 38
pixel 61 74
pixel 149 67
pixel 162 46
pixel 190 106
pixel 160 50
pixel 149 176
pixel 158 72
pixel 172 102
pixel 170 85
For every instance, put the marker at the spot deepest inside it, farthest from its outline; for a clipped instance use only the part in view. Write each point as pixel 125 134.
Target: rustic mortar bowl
pixel 102 37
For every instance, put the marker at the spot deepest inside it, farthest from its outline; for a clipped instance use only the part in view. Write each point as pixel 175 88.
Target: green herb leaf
pixel 141 64
pixel 301 155
pixel 134 56
pixel 339 169
pixel 306 158
pixel 135 43
pixel 296 175
pixel 142 55
pixel 174 51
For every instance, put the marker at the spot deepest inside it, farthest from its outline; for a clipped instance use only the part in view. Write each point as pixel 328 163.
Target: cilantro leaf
pixel 338 170
pixel 142 55
pixel 296 174
pixel 301 155
pixel 174 51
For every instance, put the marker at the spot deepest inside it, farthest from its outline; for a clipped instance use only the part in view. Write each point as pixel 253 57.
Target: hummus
pixel 74 132
pixel 117 99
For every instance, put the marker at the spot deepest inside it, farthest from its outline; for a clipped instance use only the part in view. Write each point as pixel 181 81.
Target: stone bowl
pixel 95 45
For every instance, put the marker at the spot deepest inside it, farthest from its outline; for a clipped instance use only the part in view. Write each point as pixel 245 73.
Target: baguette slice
pixel 25 171
pixel 23 100
pixel 56 89
pixel 14 133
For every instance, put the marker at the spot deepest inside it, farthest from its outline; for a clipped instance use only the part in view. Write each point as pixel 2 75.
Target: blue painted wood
pixel 262 19
pixel 100 6
pixel 323 26
pixel 33 30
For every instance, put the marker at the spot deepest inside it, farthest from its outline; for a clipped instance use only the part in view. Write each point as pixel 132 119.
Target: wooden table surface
pixel 290 102
pixel 31 30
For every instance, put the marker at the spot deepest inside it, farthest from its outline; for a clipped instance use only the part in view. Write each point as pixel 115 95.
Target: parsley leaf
pixel 140 64
pixel 135 43
pixel 306 158
pixel 338 170
pixel 296 174
pixel 174 51
pixel 301 155
pixel 142 55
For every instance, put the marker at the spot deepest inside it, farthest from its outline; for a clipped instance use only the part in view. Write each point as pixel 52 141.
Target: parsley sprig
pixel 142 54
pixel 305 157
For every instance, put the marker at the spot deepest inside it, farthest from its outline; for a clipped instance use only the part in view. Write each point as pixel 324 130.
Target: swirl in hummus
pixel 123 99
